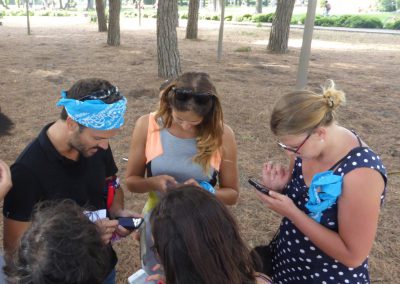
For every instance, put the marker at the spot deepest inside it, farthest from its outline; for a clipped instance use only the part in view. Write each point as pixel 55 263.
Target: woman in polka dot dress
pixel 335 247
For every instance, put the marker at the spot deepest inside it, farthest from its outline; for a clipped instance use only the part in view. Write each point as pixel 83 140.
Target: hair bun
pixel 333 96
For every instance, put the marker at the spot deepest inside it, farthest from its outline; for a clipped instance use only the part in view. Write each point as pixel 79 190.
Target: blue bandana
pixel 95 114
pixel 324 190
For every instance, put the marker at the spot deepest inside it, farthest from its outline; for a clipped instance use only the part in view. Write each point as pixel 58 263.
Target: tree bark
pixel 193 19
pixel 221 31
pixel 61 5
pixel 279 36
pixel 101 16
pixel 114 36
pixel 4 4
pixel 259 7
pixel 169 65
pixel 89 5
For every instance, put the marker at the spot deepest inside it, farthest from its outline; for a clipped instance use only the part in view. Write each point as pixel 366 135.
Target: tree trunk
pixel 221 31
pixel 61 5
pixel 259 7
pixel 101 16
pixel 89 5
pixel 169 65
pixel 4 4
pixel 28 24
pixel 279 36
pixel 193 19
pixel 214 5
pixel 113 37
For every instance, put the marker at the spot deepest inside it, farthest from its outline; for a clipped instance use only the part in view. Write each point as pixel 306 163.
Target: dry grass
pixel 34 69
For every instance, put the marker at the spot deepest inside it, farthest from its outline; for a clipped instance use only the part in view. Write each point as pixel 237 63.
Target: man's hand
pixel 121 231
pixel 106 228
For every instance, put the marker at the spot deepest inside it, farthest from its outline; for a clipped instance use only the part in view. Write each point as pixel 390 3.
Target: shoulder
pixel 228 133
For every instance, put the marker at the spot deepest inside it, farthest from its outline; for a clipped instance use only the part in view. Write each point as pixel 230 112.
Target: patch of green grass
pixel 243 49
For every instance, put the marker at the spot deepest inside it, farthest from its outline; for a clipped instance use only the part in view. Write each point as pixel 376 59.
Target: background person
pixel 71 158
pixel 61 246
pixel 198 241
pixel 184 141
pixel 330 218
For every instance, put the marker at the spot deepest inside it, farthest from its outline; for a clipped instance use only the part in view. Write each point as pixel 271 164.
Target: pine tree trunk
pixel 259 7
pixel 89 5
pixel 279 36
pixel 193 19
pixel 113 37
pixel 101 16
pixel 169 65
pixel 61 5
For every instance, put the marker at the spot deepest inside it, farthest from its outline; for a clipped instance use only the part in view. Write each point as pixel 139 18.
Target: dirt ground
pixel 60 51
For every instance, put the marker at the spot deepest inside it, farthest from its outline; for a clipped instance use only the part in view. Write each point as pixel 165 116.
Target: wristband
pixel 207 186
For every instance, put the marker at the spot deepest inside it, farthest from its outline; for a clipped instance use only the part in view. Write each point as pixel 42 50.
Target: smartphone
pixel 130 223
pixel 261 188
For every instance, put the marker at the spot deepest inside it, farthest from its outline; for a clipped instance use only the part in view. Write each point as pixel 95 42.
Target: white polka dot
pixel 312 248
pixel 366 150
pixel 340 273
pixel 304 277
pixel 345 165
pixel 378 166
pixel 354 163
pixel 302 251
pixel 301 176
pixel 319 256
pixel 339 170
pixel 365 160
pixel 334 266
pixel 325 270
pixel 350 268
pixel 316 274
pixel 289 243
pixel 294 231
pixel 348 157
pixel 358 154
pixel 287 233
pixel 373 158
pixel 331 277
pixel 293 195
pixel 346 281
pixel 355 275
pixel 306 238
pixel 301 259
pixel 331 223
pixel 307 267
pixel 297 241
pixel 323 282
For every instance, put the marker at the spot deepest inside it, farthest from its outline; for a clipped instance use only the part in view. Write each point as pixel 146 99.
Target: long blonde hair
pixel 302 111
pixel 210 130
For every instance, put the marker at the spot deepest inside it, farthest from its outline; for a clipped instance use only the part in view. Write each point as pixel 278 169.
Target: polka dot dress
pixel 296 258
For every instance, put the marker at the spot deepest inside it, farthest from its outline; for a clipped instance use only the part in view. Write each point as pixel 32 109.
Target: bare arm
pixel 12 233
pixel 5 179
pixel 228 191
pixel 358 211
pixel 136 168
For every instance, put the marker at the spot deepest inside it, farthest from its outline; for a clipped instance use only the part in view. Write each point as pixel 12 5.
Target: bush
pixel 247 17
pixel 386 5
pixel 93 18
pixel 228 18
pixel 263 18
pixel 298 20
pixel 392 24
pixel 326 21
pixel 184 16
pixel 215 18
pixel 239 19
pixel 364 22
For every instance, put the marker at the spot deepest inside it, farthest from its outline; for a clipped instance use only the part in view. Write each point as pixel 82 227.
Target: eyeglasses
pixel 294 150
pixel 183 94
pixel 102 95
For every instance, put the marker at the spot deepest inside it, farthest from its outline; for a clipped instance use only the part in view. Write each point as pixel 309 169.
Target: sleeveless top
pixel 295 258
pixel 167 154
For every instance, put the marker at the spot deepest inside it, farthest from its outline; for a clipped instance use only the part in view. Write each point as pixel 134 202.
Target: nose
pixel 103 144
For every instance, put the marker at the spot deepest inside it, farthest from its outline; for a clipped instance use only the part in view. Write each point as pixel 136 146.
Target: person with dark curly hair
pixel 61 246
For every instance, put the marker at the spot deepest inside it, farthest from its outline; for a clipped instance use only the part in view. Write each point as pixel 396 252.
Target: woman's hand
pixel 156 277
pixel 192 181
pixel 279 203
pixel 163 182
pixel 274 176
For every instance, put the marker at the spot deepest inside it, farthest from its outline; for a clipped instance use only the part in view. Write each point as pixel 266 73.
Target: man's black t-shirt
pixel 41 173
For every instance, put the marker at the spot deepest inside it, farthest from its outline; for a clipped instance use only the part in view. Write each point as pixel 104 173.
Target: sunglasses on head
pixel 102 94
pixel 183 94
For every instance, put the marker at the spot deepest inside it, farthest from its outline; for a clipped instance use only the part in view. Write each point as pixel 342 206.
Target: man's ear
pixel 71 124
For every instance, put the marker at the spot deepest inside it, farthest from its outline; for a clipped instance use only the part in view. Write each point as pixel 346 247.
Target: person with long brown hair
pixel 329 196
pixel 184 142
pixel 197 241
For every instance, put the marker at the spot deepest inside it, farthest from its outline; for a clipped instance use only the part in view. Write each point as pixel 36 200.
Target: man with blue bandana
pixel 71 159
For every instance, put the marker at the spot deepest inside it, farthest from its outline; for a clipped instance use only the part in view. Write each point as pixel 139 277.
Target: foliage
pixel 2 14
pixel 228 18
pixel 386 5
pixel 184 16
pixel 393 24
pixel 263 18
pixel 298 19
pixel 215 18
pixel 350 21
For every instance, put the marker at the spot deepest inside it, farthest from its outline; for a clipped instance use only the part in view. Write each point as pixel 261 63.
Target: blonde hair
pixel 302 111
pixel 210 130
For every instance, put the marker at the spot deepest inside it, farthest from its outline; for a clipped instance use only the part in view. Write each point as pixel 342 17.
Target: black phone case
pixel 130 223
pixel 259 186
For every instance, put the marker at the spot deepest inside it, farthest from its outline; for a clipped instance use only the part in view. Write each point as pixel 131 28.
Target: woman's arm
pixel 228 191
pixel 358 211
pixel 136 168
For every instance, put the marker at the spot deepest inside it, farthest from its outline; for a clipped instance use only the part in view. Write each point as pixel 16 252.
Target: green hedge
pixel 263 18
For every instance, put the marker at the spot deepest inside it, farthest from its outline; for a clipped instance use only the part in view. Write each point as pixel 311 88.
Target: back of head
pixel 302 111
pixel 61 246
pixel 92 88
pixel 197 239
